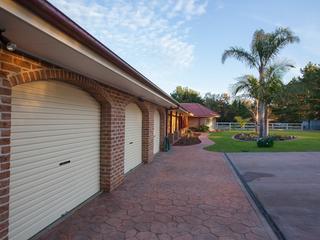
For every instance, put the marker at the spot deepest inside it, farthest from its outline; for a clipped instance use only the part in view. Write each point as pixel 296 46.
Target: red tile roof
pixel 199 110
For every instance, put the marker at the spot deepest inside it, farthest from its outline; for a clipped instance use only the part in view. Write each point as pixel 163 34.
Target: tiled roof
pixel 199 110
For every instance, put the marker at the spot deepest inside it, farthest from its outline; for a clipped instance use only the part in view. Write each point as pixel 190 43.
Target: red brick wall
pixel 18 69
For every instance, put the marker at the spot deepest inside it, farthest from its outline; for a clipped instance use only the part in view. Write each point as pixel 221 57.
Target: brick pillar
pixel 163 126
pixel 5 123
pixel 105 148
pixel 147 132
pixel 116 146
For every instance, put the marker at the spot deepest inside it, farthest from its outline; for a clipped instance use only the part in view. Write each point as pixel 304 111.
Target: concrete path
pixel 187 193
pixel 288 185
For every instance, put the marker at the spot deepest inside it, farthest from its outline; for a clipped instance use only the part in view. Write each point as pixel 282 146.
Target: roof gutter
pixel 55 17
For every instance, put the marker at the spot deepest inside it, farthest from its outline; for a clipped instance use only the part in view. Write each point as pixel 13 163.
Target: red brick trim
pixel 88 85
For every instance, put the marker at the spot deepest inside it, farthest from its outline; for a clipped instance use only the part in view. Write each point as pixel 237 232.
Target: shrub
pixel 203 128
pixel 242 121
pixel 265 142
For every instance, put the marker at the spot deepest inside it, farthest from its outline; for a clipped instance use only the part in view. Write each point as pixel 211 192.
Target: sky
pixel 180 42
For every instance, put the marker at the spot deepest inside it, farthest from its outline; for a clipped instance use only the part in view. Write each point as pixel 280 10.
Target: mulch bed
pixel 187 141
pixel 254 137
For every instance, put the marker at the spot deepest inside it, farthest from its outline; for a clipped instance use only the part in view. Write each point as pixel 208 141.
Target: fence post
pixel 301 126
pixel 229 126
pixel 287 126
pixel 272 126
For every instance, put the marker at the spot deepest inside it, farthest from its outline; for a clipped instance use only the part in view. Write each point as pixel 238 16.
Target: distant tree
pixel 301 99
pixel 219 103
pixel 240 108
pixel 227 109
pixel 264 49
pixel 309 85
pixel 186 95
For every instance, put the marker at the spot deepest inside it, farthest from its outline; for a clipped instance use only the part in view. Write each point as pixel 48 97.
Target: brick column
pixel 147 132
pixel 163 126
pixel 105 147
pixel 117 145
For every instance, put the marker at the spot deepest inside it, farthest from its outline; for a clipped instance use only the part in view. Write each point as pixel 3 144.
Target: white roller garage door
pixel 156 132
pixel 133 137
pixel 55 154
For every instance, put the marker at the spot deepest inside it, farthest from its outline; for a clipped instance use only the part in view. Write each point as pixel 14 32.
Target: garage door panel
pixel 59 116
pixel 57 89
pixel 43 153
pixel 53 138
pixel 133 137
pixel 59 97
pixel 56 206
pixel 38 161
pixel 54 143
pixel 43 181
pixel 47 105
pixel 41 134
pixel 52 122
pixel 156 132
pixel 56 92
pixel 52 192
pixel 24 108
pixel 48 199
pixel 55 146
pixel 52 201
pixel 29 175
pixel 22 161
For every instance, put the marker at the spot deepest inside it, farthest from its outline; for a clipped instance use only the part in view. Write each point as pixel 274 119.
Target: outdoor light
pixel 10 46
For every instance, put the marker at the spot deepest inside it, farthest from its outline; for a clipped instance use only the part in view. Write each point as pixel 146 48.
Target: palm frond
pixel 266 46
pixel 241 55
pixel 248 85
pixel 278 39
pixel 278 69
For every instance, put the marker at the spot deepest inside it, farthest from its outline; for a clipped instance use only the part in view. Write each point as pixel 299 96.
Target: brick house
pixel 75 118
pixel 200 115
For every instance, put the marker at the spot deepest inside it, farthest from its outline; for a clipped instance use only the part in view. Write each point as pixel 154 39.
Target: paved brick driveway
pixel 188 193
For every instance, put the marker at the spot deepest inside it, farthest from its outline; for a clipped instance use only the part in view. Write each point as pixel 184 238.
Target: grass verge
pixel 307 141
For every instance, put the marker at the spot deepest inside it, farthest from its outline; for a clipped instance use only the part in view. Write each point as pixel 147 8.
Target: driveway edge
pixel 271 228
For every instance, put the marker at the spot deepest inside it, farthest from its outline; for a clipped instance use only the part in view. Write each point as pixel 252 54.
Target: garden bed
pixel 247 137
pixel 187 141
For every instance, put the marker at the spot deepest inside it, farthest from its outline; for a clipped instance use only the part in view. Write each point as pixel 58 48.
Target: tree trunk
pixel 266 121
pixel 262 107
pixel 256 115
pixel 262 121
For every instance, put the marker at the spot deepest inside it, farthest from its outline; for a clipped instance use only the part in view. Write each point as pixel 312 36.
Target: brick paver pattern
pixel 187 193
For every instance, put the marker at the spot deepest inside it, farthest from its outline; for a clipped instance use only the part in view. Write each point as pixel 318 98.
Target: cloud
pixel 139 29
pixel 189 8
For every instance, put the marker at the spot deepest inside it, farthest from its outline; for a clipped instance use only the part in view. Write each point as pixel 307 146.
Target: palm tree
pixel 264 49
pixel 270 90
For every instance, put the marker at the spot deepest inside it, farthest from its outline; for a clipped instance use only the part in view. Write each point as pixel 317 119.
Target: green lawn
pixel 306 141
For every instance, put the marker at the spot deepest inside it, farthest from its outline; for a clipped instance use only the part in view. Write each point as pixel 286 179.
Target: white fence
pixel 252 126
